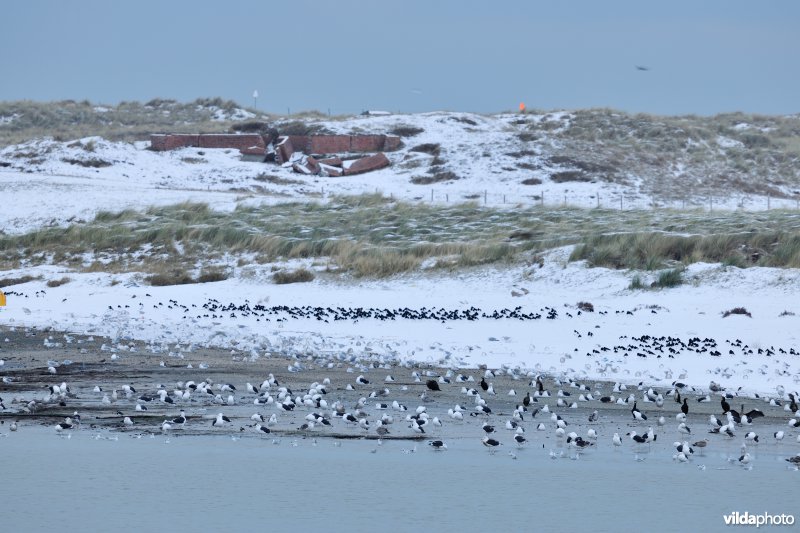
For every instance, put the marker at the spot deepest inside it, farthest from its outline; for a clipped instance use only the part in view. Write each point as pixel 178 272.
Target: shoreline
pixel 28 379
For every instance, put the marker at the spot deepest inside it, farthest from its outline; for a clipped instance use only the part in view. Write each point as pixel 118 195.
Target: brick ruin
pixel 246 142
pixel 326 155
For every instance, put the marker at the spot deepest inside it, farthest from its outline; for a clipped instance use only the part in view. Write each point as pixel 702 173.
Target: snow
pixel 726 142
pixel 8 119
pixel 46 190
pixel 221 115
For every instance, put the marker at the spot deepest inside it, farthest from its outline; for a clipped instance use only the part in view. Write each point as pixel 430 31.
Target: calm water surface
pixel 121 483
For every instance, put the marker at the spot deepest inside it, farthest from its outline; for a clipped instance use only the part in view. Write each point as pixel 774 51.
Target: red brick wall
pixel 230 141
pixel 366 143
pixel 328 144
pixel 171 142
pixel 309 144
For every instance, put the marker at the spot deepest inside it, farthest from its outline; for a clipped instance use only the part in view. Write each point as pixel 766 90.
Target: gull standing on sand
pixel 220 420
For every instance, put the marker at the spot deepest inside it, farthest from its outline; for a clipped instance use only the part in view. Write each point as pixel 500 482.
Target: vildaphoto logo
pixel 764 519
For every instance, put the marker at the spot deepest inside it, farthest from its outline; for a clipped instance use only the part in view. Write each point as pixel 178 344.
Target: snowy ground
pixel 43 190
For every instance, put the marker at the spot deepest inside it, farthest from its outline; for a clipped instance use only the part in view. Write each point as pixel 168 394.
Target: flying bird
pixel 642 68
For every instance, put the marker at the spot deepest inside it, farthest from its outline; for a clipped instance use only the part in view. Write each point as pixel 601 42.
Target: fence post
pixel 504 198
pixel 767 202
pixel 620 202
pixel 484 197
pixel 431 195
pixel 447 197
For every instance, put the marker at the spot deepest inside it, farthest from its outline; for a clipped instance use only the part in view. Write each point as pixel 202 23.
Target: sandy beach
pixel 85 362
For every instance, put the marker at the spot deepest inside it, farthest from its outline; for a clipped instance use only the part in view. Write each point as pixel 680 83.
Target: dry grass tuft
pixel 301 275
pixel 8 282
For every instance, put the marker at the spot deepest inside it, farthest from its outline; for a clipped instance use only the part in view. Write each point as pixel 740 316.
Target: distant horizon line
pixel 528 110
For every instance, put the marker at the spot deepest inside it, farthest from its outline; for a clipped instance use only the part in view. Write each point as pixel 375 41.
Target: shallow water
pixel 110 481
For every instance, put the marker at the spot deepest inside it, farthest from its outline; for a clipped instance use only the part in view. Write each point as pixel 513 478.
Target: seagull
pixel 700 444
pixel 437 445
pixel 637 415
pixel 220 420
pixel 66 424
pixel 490 443
pixel 641 439
pixel 744 459
pixel 751 436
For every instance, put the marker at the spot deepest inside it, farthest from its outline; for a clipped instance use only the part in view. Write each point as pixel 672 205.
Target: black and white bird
pixel 641 439
pixel 490 443
pixel 637 415
pixel 220 420
pixel 683 447
pixel 751 436
pixel 68 423
pixel 520 439
pixel 744 458
pixel 437 445
pixel 578 442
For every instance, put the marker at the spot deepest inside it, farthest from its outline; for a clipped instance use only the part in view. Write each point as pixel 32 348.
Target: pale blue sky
pixel 706 56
